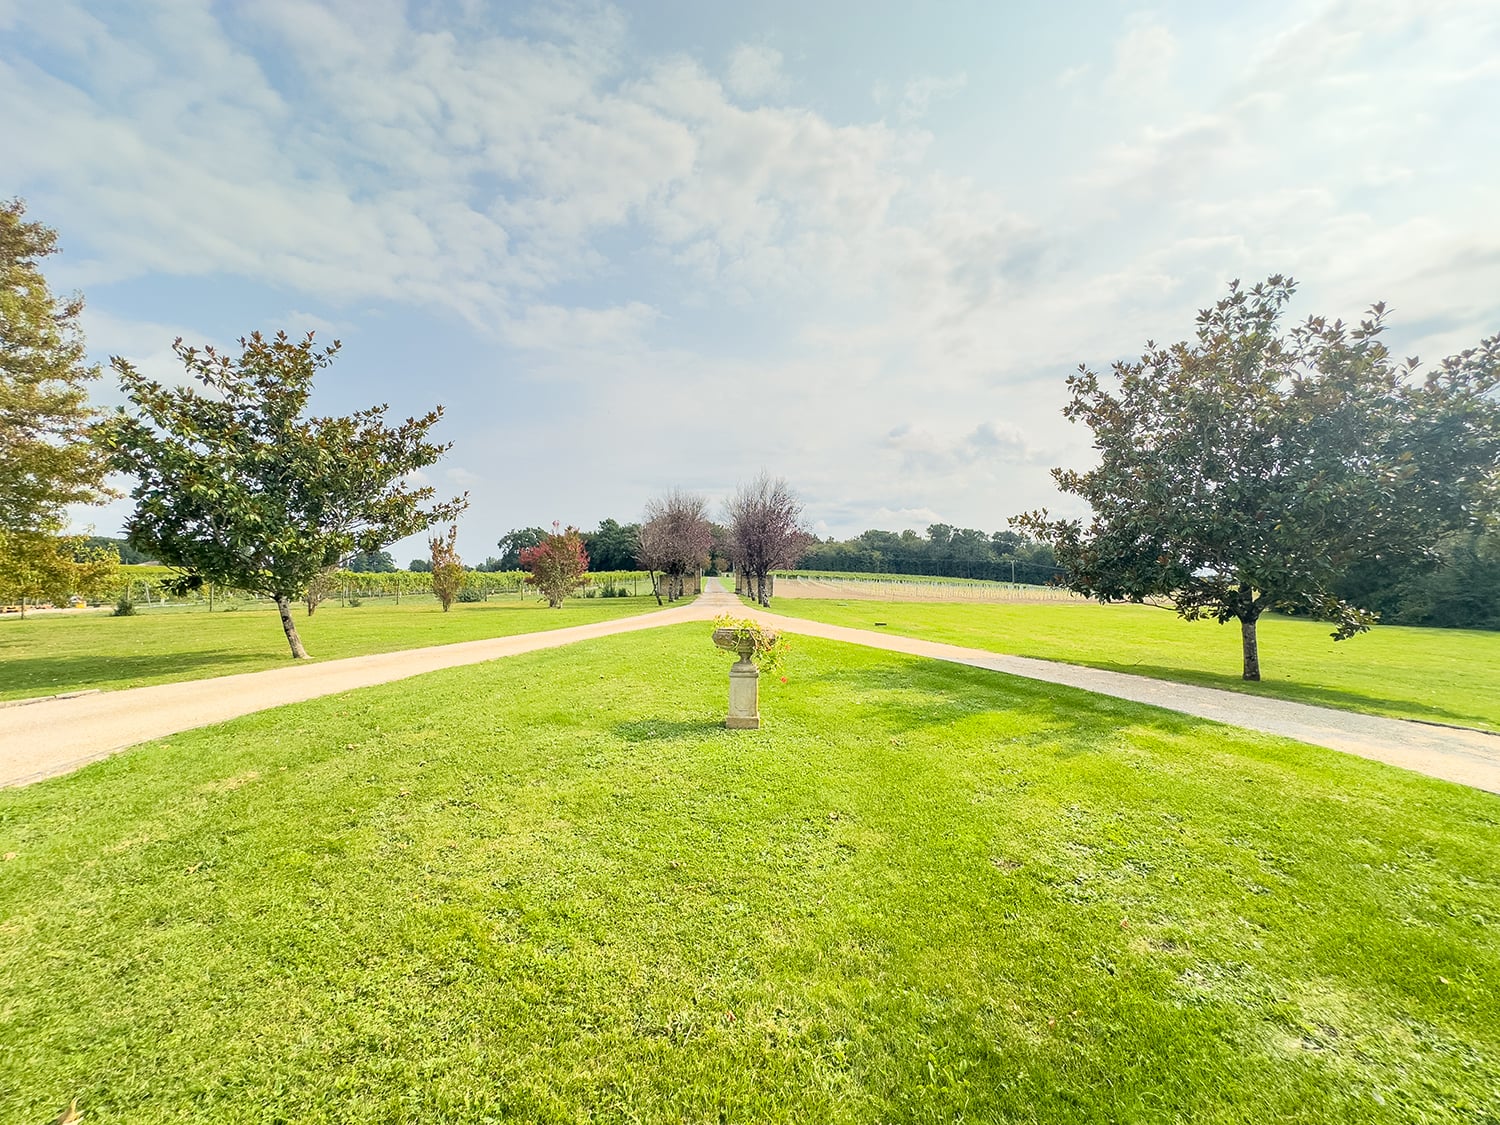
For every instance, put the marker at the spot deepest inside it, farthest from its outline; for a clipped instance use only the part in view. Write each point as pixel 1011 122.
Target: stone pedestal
pixel 744 696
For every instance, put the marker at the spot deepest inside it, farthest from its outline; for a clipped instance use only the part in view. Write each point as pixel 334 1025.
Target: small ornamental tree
pixel 556 566
pixel 447 568
pixel 320 589
pixel 674 538
pixel 765 530
pixel 239 486
pixel 1251 469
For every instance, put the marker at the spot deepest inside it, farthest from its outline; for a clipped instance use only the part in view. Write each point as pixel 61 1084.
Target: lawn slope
pixel 553 888
pixel 51 654
pixel 1447 676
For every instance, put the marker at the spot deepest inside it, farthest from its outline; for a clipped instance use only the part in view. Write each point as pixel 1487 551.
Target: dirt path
pixel 54 737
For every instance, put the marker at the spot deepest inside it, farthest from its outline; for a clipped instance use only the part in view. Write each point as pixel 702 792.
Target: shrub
pixel 558 565
pixel 447 568
pixel 124 607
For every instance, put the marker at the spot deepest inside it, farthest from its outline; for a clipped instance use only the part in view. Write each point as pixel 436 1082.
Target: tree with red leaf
pixel 558 565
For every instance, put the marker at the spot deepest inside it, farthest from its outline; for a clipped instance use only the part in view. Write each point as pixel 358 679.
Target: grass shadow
pixel 920 693
pixel 43 675
pixel 661 730
pixel 1339 699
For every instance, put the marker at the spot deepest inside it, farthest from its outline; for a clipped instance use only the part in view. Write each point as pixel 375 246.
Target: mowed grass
pixel 554 889
pixel 48 655
pixel 1437 675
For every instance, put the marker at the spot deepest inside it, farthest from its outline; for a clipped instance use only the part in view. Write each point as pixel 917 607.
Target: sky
pixel 858 244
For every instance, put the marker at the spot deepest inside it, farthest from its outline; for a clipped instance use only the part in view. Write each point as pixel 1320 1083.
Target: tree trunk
pixel 284 604
pixel 1251 648
pixel 760 589
pixel 655 586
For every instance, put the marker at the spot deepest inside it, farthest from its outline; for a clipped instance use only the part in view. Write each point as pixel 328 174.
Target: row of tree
pixel 945 551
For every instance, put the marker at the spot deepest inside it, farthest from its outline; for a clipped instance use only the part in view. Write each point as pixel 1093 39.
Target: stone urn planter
pixel 741 641
pixel 744 677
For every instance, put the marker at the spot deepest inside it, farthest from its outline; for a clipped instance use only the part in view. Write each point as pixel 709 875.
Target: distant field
pixel 143 583
pixel 921 893
pixel 866 576
pixel 911 588
pixel 1438 675
pixel 49 654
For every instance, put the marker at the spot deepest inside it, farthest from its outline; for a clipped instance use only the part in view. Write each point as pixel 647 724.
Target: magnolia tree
pixel 765 531
pixel 447 567
pixel 557 565
pixel 676 539
pixel 1249 469
pixel 240 486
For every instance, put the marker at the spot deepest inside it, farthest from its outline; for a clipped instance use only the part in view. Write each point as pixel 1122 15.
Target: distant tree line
pixel 1460 591
pixel 944 551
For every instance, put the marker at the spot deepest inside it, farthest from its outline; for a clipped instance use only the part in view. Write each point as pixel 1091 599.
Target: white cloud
pixel 1143 60
pixel 921 93
pixel 754 71
pixel 597 212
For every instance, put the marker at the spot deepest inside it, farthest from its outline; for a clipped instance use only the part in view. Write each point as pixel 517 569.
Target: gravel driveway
pixel 56 736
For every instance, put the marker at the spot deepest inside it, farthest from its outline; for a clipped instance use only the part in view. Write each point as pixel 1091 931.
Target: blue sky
pixel 860 244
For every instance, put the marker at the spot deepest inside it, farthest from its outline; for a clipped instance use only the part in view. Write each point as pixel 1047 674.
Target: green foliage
pixel 513 543
pixel 420 566
pixel 37 567
pixel 927 894
pixel 128 555
pixel 371 562
pixel 48 458
pixel 239 486
pixel 124 607
pixel 1461 591
pixel 770 648
pixel 944 551
pixel 612 546
pixel 1250 469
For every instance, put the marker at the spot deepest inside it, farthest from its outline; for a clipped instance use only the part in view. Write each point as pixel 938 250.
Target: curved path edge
pixel 57 736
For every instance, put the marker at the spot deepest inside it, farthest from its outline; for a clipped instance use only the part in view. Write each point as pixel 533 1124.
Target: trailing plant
pixel 771 648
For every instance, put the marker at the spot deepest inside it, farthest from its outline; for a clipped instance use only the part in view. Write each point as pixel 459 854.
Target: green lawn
pixel 1437 675
pixel 46 654
pixel 554 889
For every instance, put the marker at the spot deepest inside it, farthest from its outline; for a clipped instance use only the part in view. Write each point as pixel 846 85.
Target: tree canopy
pixel 557 565
pixel 48 456
pixel 512 543
pixel 1251 468
pixel 675 538
pixel 242 487
pixel 764 519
